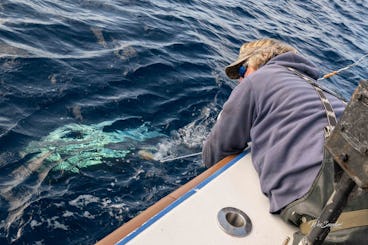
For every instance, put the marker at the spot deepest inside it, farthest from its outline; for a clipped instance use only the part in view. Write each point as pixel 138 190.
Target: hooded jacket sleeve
pixel 231 132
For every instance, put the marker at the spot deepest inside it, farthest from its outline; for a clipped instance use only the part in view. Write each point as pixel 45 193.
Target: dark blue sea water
pixel 87 85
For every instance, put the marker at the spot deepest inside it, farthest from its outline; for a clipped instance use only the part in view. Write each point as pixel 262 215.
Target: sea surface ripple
pixel 86 86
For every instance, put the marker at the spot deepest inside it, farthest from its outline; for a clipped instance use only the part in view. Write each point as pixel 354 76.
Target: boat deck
pixel 189 215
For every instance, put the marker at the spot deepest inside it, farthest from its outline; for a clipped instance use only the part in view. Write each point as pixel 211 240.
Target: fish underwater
pixel 67 149
pixel 24 185
pixel 71 147
pixel 76 146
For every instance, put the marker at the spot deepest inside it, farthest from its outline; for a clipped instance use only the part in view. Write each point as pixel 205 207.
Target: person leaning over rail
pixel 281 114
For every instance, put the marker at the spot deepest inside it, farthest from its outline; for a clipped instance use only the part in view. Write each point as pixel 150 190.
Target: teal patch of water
pixel 76 146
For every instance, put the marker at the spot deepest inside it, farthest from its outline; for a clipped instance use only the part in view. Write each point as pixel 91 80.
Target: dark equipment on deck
pixel 348 144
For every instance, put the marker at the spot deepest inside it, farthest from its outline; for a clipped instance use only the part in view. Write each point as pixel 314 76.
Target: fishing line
pixel 328 75
pixel 342 69
pixel 168 159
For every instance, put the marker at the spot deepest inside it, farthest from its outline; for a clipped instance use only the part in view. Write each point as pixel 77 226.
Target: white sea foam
pixel 88 215
pixel 68 214
pixel 105 202
pixel 83 200
pixel 53 223
pixel 188 138
pixel 35 223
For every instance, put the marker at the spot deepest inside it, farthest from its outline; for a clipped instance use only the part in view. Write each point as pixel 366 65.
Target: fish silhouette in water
pixel 76 146
pixel 21 188
pixel 68 148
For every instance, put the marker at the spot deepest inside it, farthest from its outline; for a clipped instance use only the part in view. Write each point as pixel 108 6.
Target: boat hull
pixel 190 215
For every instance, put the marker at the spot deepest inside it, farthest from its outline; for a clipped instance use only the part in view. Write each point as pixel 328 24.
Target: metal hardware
pixel 234 222
pixel 348 143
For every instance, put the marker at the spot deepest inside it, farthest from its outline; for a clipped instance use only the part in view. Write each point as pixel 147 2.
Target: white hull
pixel 192 218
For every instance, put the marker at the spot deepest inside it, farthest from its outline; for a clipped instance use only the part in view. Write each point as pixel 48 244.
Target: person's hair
pixel 265 49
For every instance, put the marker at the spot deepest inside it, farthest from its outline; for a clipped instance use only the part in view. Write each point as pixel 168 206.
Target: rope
pixel 343 69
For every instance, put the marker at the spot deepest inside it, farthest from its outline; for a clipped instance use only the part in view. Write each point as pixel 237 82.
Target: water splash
pixel 188 139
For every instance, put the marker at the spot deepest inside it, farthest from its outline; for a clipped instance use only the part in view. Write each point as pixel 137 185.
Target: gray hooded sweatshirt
pixel 282 115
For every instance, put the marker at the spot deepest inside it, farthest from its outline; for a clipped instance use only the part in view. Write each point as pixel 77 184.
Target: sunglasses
pixel 242 70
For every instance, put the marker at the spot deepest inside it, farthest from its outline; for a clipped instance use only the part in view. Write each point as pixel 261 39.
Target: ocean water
pixel 95 95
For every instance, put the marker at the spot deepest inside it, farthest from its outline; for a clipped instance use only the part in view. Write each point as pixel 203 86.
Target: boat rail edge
pixel 136 222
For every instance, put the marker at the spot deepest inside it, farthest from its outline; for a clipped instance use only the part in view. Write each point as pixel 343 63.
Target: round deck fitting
pixel 234 222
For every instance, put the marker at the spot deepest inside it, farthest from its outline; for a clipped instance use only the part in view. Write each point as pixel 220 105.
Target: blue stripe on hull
pixel 181 199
